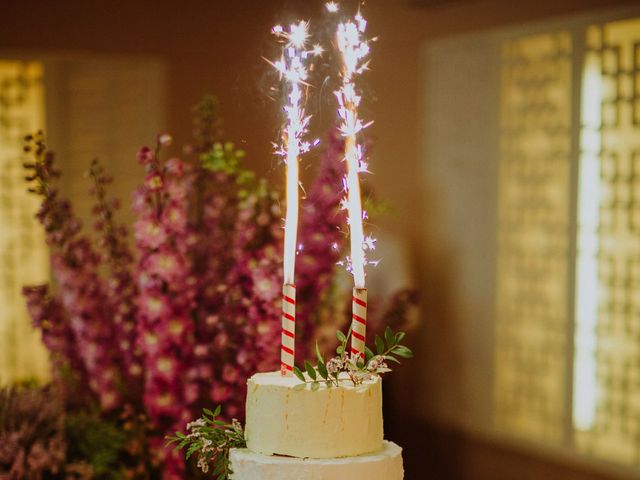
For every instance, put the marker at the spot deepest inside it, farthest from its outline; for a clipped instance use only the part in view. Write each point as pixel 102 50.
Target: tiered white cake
pixel 296 432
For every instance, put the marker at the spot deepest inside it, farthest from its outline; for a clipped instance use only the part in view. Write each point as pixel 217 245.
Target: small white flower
pixel 202 464
pixel 334 365
pixel 165 139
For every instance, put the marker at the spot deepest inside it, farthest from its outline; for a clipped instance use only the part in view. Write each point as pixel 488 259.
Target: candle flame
pixel 293 67
pixel 354 49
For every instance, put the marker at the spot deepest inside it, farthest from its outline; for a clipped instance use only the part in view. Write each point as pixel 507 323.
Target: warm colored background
pixel 216 46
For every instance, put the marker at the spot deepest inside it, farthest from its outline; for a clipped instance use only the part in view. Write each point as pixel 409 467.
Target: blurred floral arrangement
pixel 145 332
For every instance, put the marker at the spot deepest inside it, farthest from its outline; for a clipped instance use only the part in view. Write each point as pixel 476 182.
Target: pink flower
pixel 165 367
pixel 165 265
pixel 175 218
pixel 145 156
pixel 230 374
pixel 149 234
pixel 154 306
pixel 220 393
pixel 153 182
pixel 176 167
pixel 139 200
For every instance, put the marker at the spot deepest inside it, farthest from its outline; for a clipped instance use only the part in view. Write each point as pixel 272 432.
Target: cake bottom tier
pixel 385 464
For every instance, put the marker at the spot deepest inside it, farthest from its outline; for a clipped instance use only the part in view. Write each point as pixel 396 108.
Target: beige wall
pixel 216 46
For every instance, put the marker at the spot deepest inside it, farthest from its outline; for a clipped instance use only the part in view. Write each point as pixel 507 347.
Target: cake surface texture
pixel 285 418
pixel 385 464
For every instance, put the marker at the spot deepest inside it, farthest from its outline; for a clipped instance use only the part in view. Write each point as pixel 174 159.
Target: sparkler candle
pixel 293 67
pixel 354 49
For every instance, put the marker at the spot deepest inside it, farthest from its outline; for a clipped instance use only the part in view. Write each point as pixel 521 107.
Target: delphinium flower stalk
pixel 218 184
pixel 122 287
pixel 76 267
pixel 166 295
pixel 48 315
pixel 253 296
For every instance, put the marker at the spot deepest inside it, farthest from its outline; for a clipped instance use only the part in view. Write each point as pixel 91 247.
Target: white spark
pixel 332 7
pixel 298 34
pixel 293 66
pixel 354 49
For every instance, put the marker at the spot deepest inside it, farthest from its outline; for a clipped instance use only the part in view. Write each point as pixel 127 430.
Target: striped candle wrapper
pixel 287 352
pixel 359 321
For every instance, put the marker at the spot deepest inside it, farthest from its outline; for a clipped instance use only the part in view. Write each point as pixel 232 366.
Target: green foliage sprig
pixel 226 158
pixel 353 368
pixel 211 439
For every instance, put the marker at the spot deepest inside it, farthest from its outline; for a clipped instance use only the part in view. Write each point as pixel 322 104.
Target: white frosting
pixel 385 464
pixel 329 422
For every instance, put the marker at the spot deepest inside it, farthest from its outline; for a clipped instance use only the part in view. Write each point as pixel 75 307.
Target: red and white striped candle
pixel 359 321
pixel 287 352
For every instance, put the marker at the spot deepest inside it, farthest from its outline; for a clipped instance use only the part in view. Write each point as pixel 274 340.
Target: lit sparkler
pixel 354 50
pixel 293 66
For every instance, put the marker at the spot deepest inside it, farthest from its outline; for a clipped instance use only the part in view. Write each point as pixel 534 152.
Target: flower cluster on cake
pixel 320 422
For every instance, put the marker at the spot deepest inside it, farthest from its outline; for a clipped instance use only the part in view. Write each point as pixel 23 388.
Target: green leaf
pixel 208 412
pixel 399 337
pixel 310 370
pixel 402 351
pixel 322 370
pixel 298 373
pixel 391 358
pixel 389 337
pixel 217 411
pixel 194 447
pixel 340 350
pixel 341 336
pixel 379 345
pixel 368 354
pixel 319 353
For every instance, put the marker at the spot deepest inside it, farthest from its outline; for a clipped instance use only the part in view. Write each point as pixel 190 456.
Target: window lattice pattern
pixel 23 255
pixel 614 48
pixel 533 220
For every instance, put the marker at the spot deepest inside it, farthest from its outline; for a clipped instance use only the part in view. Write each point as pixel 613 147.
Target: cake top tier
pixel 324 423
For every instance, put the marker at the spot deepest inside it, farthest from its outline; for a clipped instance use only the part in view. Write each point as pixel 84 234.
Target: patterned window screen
pixel 533 242
pixel 23 254
pixel 568 277
pixel 608 320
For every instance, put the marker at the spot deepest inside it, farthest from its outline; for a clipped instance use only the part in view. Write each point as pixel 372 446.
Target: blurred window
pixel 568 276
pixel 23 252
